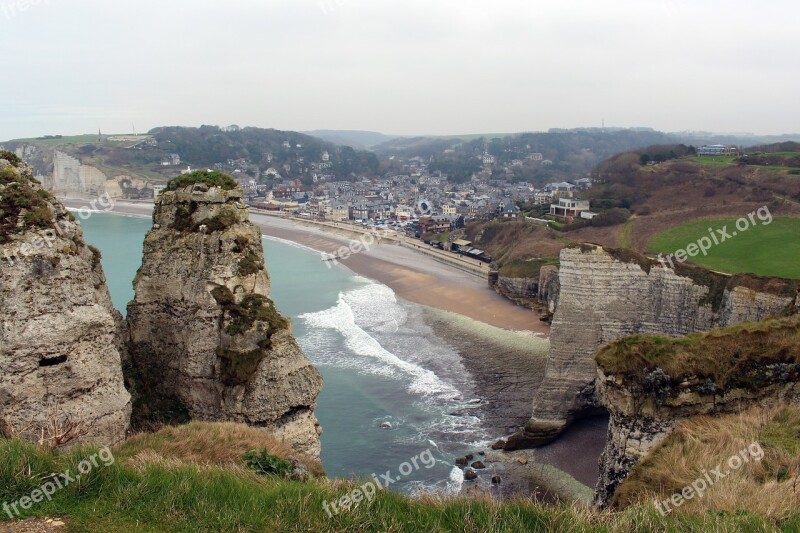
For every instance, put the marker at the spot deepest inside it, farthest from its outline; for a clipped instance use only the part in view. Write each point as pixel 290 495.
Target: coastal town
pixel 417 201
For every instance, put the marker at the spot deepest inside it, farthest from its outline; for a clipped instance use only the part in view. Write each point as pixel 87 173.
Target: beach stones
pixel 461 461
pixel 470 475
pixel 496 480
pixel 522 460
pixel 499 445
pixel 469 457
pixel 478 465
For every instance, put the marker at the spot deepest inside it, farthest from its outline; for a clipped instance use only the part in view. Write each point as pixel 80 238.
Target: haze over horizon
pixel 437 68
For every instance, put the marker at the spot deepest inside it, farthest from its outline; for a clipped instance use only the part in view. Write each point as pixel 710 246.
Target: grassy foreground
pixel 766 250
pixel 764 487
pixel 187 479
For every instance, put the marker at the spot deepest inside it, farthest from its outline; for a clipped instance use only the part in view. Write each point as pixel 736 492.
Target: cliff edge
pixel 61 380
pixel 608 294
pixel 650 383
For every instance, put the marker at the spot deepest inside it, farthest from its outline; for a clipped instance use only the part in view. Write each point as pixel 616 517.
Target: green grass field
pixel 714 160
pixel 766 250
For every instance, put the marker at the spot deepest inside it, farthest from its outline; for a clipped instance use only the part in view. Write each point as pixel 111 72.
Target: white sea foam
pixel 375 307
pixel 290 243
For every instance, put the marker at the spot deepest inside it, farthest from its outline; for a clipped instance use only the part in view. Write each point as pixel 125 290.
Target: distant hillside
pixel 151 157
pixel 533 157
pixel 673 199
pixel 360 140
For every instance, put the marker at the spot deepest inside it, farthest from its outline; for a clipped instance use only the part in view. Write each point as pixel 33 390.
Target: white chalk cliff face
pixel 203 331
pixel 60 336
pixel 607 295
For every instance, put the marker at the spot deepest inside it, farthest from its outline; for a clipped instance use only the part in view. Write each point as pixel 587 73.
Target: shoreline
pixel 413 275
pixel 502 345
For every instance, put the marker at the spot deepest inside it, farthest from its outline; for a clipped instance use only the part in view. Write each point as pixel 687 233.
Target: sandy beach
pixel 503 346
pixel 413 276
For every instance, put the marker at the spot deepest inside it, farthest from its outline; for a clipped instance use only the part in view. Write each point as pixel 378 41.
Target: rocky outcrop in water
pixel 606 295
pixel 61 380
pixel 649 385
pixel 204 336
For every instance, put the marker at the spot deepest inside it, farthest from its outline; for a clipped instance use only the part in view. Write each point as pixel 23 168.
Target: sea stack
pixel 205 339
pixel 60 361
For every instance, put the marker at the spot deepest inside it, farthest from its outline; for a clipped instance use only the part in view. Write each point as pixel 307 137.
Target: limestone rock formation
pixel 609 294
pixel 536 291
pixel 71 177
pixel 646 401
pixel 203 331
pixel 60 371
pixel 549 287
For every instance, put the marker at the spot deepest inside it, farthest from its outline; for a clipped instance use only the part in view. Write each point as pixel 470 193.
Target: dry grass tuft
pixel 206 444
pixel 768 487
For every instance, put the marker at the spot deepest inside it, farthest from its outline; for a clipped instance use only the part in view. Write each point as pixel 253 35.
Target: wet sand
pixel 503 346
pixel 413 276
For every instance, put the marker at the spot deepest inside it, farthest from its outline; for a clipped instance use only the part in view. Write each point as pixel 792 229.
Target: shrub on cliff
pixel 19 196
pixel 211 178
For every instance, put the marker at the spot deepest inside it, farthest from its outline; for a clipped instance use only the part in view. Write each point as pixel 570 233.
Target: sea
pixel 393 390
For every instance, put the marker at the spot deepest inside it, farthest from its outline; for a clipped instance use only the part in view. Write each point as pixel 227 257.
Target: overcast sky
pixel 399 66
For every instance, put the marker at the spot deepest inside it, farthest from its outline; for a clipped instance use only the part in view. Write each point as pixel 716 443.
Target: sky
pixel 399 66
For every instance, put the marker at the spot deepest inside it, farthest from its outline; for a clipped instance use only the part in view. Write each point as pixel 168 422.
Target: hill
pixel 360 140
pixel 560 154
pixel 164 151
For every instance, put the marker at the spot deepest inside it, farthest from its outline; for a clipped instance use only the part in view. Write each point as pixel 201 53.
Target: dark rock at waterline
pixel 470 475
pixel 478 465
pixel 469 457
pixel 496 480
pixel 522 440
pixel 499 445
pixel 481 452
pixel 461 461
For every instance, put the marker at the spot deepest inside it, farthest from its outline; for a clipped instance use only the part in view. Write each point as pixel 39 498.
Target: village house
pixel 569 208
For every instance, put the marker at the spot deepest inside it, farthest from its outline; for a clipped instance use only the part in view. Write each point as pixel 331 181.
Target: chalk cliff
pixel 536 290
pixel 649 384
pixel 60 373
pixel 605 295
pixel 203 331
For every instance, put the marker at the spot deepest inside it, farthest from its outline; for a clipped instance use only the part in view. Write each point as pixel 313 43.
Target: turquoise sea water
pixel 379 359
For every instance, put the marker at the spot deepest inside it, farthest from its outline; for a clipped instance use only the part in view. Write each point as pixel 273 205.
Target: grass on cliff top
pixel 211 178
pixel 731 357
pixel 770 250
pixel 768 486
pixel 191 480
pixel 525 268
